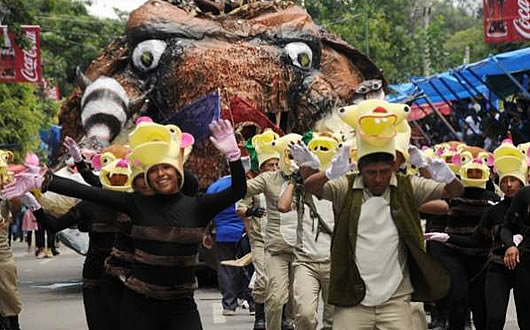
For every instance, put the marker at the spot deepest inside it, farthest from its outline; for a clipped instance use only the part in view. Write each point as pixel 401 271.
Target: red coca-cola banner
pixel 506 21
pixel 17 64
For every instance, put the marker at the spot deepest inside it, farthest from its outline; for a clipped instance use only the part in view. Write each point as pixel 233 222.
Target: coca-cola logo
pixel 30 69
pixel 522 24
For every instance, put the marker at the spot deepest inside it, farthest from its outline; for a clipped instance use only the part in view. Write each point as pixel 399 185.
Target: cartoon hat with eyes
pixel 510 161
pixel 475 174
pixel 113 166
pixel 324 145
pixel 281 146
pixel 263 146
pixel 155 144
pixel 376 123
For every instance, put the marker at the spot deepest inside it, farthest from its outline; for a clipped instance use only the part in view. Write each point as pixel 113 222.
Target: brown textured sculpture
pixel 268 53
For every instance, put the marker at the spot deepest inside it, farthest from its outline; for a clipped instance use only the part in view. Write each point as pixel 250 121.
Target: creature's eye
pixel 147 54
pixel 376 84
pixel 301 54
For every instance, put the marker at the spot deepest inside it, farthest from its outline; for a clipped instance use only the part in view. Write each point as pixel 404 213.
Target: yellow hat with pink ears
pixel 510 161
pixel 475 174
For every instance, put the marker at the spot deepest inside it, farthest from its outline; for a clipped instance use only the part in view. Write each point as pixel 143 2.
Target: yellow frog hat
pixel 324 145
pixel 376 124
pixel 375 121
pixel 510 161
pixel 155 144
pixel 263 145
pixel 281 146
pixel 475 174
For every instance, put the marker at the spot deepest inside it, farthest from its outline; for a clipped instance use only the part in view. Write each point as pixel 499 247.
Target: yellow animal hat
pixel 155 144
pixel 281 146
pixel 263 145
pixel 467 177
pixel 324 145
pixel 510 161
pixel 376 123
pixel 114 161
pixel 5 175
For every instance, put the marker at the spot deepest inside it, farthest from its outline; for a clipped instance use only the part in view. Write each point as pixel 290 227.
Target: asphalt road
pixel 51 292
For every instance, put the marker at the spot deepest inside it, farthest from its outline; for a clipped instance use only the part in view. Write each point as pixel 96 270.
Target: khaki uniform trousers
pixel 258 260
pixel 311 279
pixel 395 314
pixel 10 303
pixel 279 287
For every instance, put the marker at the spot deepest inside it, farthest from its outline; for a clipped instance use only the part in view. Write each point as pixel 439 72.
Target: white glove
pixel 440 171
pixel 224 140
pixel 517 239
pixel 30 201
pixel 416 157
pixel 303 156
pixel 437 237
pixel 73 149
pixel 340 165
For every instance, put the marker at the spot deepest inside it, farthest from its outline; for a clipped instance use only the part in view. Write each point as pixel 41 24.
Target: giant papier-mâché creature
pixel 269 53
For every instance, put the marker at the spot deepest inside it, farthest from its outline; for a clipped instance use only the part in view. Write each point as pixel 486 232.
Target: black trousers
pixel 40 241
pixel 499 281
pixel 467 286
pixel 102 304
pixel 142 313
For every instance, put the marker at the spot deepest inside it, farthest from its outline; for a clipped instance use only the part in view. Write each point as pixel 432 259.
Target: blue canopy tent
pixel 468 80
pixel 489 79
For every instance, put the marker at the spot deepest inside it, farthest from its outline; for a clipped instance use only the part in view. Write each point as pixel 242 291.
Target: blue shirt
pixel 229 227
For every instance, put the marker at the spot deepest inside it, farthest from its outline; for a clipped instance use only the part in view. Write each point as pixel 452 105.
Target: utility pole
pixel 427 50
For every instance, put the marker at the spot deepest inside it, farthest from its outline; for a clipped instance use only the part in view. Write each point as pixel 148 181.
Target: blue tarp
pixel 461 83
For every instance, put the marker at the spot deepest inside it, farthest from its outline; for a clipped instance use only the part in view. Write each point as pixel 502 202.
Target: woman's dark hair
pixel 378 157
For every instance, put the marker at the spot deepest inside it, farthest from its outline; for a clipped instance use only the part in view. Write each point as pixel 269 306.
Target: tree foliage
pixel 70 37
pixel 394 34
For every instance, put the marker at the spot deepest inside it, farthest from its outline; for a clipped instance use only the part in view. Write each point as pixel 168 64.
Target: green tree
pixel 21 117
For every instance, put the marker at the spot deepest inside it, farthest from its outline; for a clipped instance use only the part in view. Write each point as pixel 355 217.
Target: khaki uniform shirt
pixel 257 224
pixel 280 232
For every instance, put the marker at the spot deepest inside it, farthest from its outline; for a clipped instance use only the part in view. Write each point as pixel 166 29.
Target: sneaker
pixel 40 253
pixel 48 253
pixel 229 312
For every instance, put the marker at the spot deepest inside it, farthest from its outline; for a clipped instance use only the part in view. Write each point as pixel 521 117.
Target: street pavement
pixel 51 292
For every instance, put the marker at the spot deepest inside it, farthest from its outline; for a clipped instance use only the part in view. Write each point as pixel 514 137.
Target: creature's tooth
pixel 377 121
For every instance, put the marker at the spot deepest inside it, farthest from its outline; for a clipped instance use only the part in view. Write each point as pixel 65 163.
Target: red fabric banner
pixel 506 21
pixel 16 64
pixel 418 112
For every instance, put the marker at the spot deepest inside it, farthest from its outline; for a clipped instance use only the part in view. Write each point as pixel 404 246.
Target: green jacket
pixel 429 278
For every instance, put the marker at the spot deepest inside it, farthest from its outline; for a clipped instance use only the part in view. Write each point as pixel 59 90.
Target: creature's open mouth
pixel 117 180
pixel 377 125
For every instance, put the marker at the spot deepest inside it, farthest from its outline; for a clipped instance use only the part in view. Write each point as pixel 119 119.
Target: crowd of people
pixel 356 220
